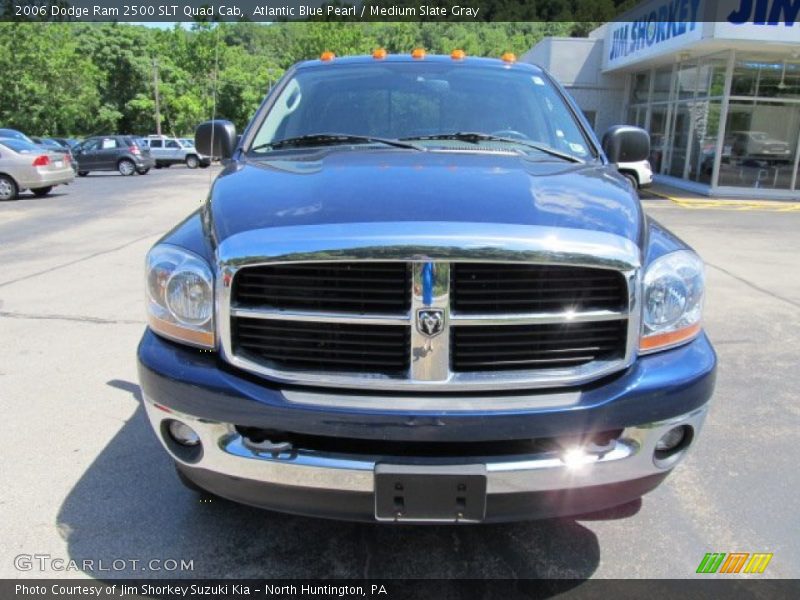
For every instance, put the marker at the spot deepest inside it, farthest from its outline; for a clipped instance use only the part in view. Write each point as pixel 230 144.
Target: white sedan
pixel 26 166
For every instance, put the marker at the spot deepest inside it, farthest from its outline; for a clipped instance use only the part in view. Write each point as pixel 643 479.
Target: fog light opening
pixel 183 441
pixel 673 442
pixel 183 434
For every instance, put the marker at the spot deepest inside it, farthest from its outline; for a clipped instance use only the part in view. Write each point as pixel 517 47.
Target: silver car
pixel 169 151
pixel 26 166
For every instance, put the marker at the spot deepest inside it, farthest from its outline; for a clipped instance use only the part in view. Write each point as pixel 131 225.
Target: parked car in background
pixel 55 146
pixel 168 151
pixel 24 165
pixel 757 144
pixel 14 134
pixel 639 173
pixel 112 153
pixel 67 142
pixel 188 144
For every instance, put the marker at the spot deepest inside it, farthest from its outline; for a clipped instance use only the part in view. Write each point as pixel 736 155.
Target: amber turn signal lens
pixel 418 53
pixel 671 338
pixel 327 55
pixel 509 57
pixel 458 55
pixel 379 53
pixel 183 334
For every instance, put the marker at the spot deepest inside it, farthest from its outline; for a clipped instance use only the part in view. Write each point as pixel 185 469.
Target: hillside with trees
pixel 75 79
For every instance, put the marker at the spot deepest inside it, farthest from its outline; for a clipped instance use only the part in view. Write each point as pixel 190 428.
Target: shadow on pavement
pixel 130 505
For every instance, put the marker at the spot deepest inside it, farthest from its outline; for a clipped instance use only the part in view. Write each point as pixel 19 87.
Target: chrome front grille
pixel 324 346
pixel 355 287
pixel 497 308
pixel 506 288
pixel 549 346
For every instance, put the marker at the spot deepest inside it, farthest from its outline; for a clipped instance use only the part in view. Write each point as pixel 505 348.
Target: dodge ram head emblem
pixel 430 321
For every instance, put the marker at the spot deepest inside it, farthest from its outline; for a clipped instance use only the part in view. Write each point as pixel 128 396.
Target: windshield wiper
pixel 476 137
pixel 330 139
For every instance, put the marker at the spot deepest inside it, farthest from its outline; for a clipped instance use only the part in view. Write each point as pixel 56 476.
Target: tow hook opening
pixel 265 441
pixel 578 451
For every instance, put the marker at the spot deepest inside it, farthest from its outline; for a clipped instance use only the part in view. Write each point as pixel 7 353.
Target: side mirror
pixel 625 143
pixel 216 138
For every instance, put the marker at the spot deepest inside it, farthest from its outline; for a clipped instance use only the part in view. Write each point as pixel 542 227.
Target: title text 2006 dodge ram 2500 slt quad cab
pixel 420 291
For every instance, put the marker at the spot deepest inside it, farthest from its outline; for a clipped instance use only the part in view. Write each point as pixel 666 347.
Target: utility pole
pixel 155 88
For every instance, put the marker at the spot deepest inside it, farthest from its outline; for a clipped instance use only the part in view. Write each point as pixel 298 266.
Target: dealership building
pixel 716 84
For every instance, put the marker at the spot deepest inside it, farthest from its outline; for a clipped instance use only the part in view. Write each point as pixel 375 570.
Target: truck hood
pixel 341 186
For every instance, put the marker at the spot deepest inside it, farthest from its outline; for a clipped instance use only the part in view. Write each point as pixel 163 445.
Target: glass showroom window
pixel 760 147
pixel 705 115
pixel 762 128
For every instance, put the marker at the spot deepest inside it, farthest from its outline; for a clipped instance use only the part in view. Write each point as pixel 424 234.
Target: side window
pixel 90 145
pixel 155 143
pixel 109 143
pixel 173 144
pixel 591 116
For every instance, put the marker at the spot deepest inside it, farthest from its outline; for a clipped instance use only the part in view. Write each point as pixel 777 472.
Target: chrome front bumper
pixel 631 457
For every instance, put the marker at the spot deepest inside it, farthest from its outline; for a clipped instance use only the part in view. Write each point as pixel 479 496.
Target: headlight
pixel 672 304
pixel 180 296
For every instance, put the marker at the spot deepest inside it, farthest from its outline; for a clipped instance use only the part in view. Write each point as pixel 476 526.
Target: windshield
pixel 186 143
pixel 424 99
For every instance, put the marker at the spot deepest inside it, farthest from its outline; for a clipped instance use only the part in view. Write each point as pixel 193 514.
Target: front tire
pixel 632 180
pixel 83 173
pixel 8 188
pixel 192 161
pixel 39 192
pixel 126 167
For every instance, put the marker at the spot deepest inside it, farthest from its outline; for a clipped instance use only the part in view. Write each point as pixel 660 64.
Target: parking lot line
pixel 728 204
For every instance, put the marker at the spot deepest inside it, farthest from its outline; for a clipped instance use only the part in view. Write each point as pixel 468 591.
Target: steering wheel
pixel 510 133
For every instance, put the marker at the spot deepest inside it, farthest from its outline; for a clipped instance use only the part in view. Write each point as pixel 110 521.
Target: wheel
pixel 142 171
pixel 126 167
pixel 8 188
pixel 39 192
pixel 632 180
pixel 83 173
pixel 192 161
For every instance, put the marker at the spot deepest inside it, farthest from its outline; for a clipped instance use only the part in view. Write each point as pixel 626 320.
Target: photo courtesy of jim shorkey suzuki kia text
pixel 192 590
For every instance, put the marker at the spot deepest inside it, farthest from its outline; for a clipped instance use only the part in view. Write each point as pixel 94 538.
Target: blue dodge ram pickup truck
pixel 420 291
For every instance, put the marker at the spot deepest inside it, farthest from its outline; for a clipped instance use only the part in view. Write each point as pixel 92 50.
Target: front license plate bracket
pixel 439 493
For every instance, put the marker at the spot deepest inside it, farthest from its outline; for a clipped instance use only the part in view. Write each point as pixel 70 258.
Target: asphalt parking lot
pixel 84 478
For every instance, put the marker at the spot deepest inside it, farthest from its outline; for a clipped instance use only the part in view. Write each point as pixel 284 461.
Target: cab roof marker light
pixel 379 53
pixel 327 56
pixel 418 53
pixel 458 54
pixel 509 57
